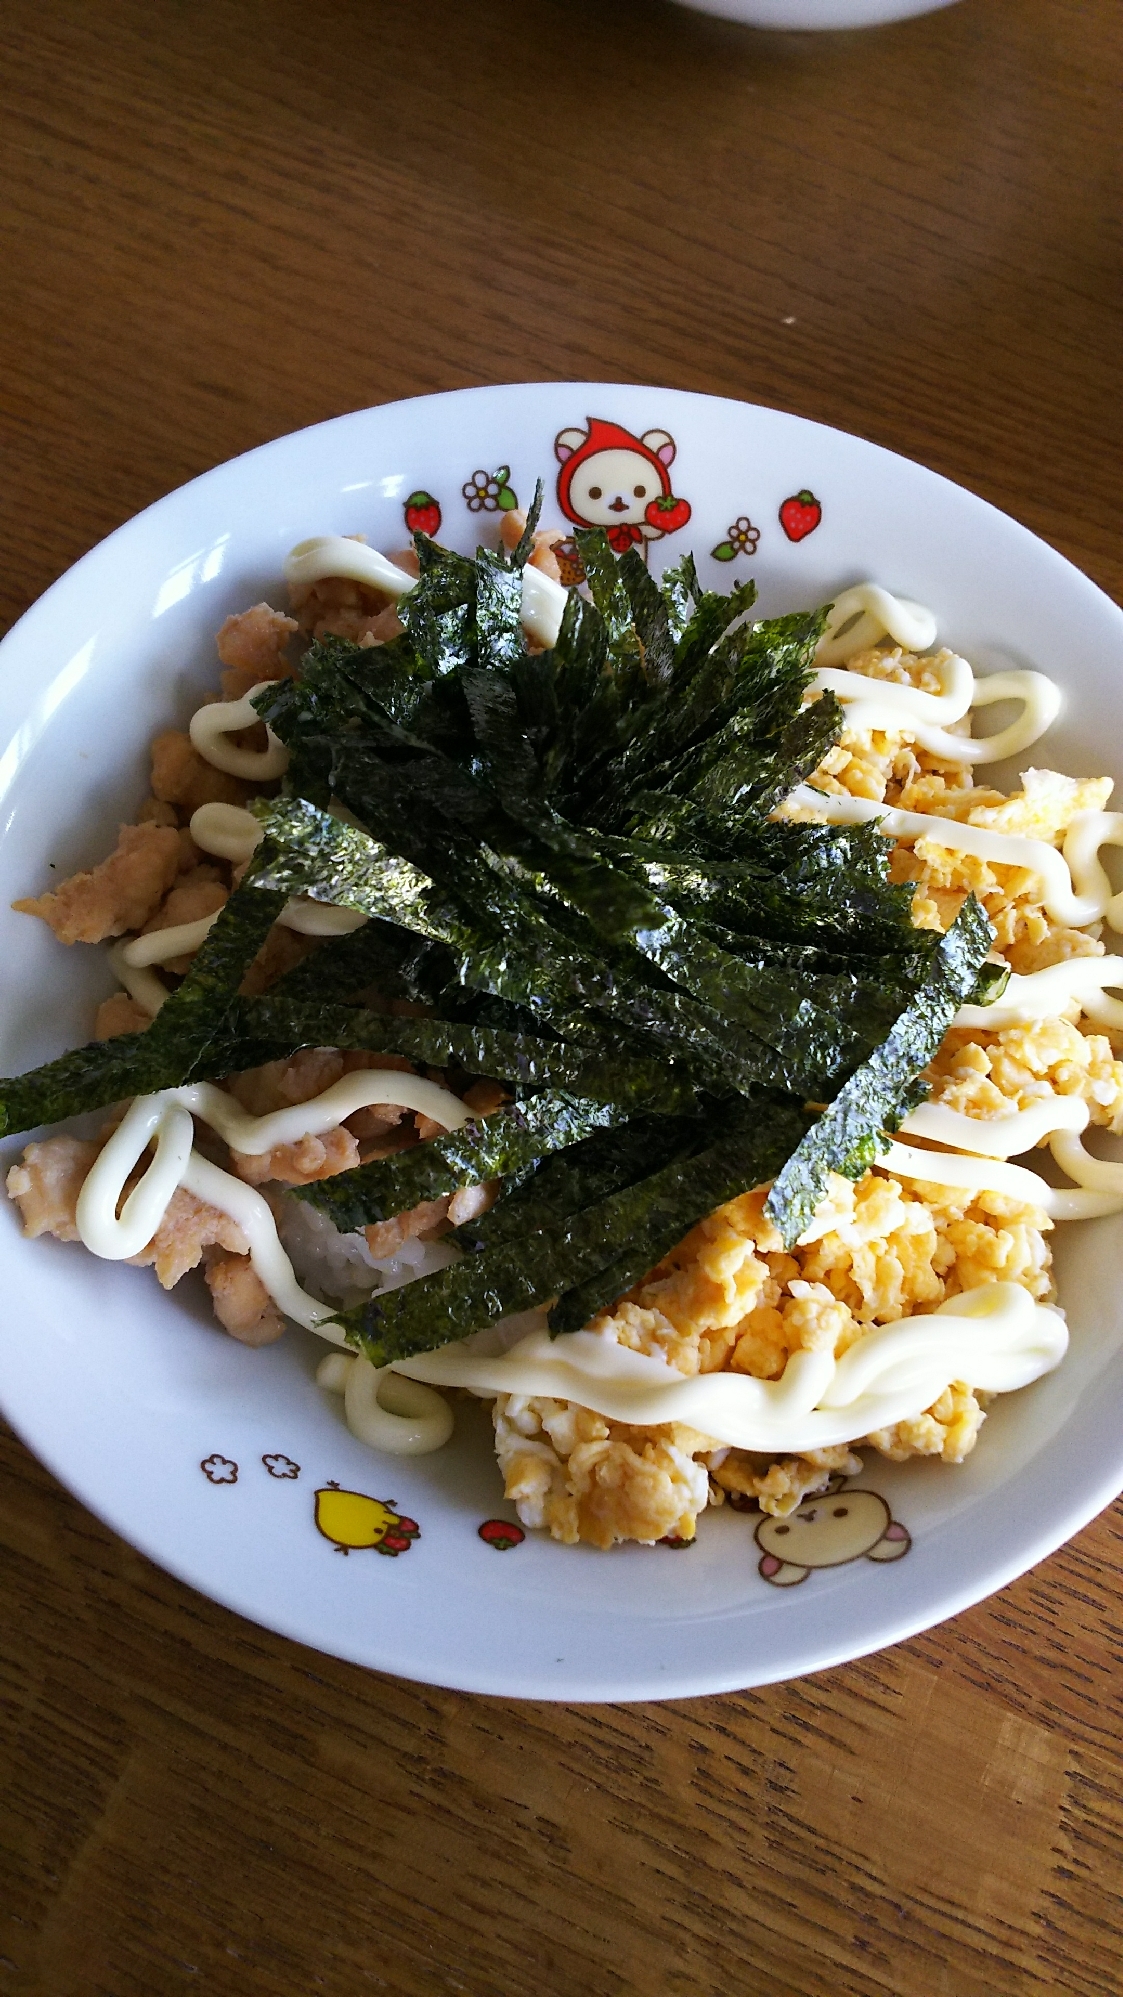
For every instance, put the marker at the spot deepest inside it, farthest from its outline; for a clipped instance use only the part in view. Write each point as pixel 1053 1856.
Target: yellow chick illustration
pixel 827 1532
pixel 351 1521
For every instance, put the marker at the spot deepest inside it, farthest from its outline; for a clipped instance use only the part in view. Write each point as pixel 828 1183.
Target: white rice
pixel 339 1268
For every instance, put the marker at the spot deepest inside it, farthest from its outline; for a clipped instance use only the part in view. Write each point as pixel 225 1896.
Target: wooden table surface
pixel 226 219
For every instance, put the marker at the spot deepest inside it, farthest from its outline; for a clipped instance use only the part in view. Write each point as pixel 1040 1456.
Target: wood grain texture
pixel 223 220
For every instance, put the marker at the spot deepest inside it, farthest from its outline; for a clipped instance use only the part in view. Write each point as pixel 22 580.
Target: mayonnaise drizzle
pixel 326 555
pixel 995 1338
pixel 228 833
pixel 179 939
pixel 1077 890
pixel 253 1215
pixel 210 726
pixel 255 1135
pixel 166 1118
pixel 1061 1119
pixel 908 703
pixel 997 1136
pixel 985 1175
pixel 1044 995
pixel 320 918
pixel 182 939
pixel 860 617
pixel 141 984
pixel 401 1416
pixel 385 1409
pixel 116 1238
pixel 888 706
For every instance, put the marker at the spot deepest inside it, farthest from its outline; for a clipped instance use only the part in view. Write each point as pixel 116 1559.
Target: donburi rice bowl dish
pixel 600 1002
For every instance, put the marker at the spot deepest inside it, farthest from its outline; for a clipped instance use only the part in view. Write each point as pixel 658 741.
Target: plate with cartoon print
pixel 228 1466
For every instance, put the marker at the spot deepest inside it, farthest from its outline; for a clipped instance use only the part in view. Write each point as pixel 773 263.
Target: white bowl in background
pixel 805 14
pixel 126 1393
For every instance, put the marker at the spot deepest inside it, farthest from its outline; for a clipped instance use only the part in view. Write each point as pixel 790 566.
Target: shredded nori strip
pixel 573 886
pixel 190 1034
pixel 873 1103
pixel 579 1176
pixel 486 1148
pixel 744 1161
pixel 631 1229
pixel 630 1081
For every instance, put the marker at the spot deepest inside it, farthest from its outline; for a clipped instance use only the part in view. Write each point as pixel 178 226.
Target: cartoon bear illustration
pixel 612 479
pixel 828 1531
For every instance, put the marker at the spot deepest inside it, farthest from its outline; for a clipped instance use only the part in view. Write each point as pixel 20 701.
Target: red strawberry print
pixel 667 513
pixel 423 514
pixel 501 1534
pixel 800 515
pixel 624 536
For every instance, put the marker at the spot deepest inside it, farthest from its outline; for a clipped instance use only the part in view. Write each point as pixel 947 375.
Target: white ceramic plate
pixel 208 1456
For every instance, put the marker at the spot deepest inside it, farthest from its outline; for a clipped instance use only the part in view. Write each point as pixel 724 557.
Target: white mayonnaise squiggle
pixel 255 1135
pixel 1077 890
pixel 182 939
pixel 985 1175
pixel 384 1408
pixel 385 1416
pixel 1061 1119
pixel 1045 994
pixel 141 984
pixel 227 833
pixel 862 616
pixel 327 555
pixel 116 1238
pixel 997 1136
pixel 212 725
pixel 996 1337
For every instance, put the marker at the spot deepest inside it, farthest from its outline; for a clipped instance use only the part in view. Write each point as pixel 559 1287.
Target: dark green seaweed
pixel 189 1037
pixel 573 885
pixel 631 1081
pixel 583 1174
pixel 487 1148
pixel 516 1274
pixel 850 1132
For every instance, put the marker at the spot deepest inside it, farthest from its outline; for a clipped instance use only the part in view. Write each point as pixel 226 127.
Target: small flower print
pixel 741 538
pixel 501 1534
pixel 491 492
pixel 219 1470
pixel 281 1466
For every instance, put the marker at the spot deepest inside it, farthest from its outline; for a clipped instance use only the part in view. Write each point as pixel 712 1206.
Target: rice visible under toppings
pixel 339 1268
pixel 729 1297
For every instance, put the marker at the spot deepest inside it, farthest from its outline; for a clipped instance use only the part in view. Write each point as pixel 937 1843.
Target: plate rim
pixel 987 1579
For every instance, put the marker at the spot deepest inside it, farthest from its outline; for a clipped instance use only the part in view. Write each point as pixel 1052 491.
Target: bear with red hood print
pixel 611 479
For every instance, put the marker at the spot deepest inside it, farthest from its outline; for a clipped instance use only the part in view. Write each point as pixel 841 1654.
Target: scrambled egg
pixel 730 1297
